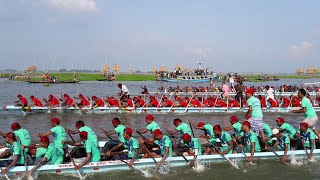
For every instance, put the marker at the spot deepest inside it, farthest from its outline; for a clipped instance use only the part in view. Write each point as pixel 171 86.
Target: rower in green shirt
pixel 93 153
pixel 15 149
pixel 54 154
pixel 58 132
pixel 308 138
pixel 82 127
pixel 152 125
pixel 132 144
pixel 208 131
pixel 181 127
pixel 282 143
pixel 287 129
pixel 193 147
pixel 236 127
pixel 165 145
pixel 268 133
pixel 251 141
pixel 225 140
pixel 119 129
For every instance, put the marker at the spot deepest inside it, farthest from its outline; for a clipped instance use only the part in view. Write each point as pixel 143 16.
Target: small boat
pixel 109 78
pixel 269 79
pixel 152 110
pixel 52 82
pixel 199 79
pixel 178 161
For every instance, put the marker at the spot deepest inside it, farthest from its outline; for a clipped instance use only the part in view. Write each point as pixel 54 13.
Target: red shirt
pixel 37 102
pixel 130 103
pixel 183 104
pixel 141 103
pixel 54 101
pixel 196 103
pixel 70 102
pixel 274 104
pixel 263 102
pixel 114 102
pixel 99 102
pixel 84 102
pixel 221 104
pixel 235 103
pixel 286 102
pixel 169 103
pixel 154 103
pixel 24 101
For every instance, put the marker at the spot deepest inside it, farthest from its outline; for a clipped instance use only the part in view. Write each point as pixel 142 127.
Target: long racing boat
pixel 105 166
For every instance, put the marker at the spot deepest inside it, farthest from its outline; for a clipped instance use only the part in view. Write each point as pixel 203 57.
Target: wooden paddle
pixel 232 163
pixel 191 129
pixel 274 152
pixel 5 175
pixel 72 160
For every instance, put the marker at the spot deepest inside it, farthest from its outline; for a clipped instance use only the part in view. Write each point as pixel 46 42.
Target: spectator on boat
pixel 144 90
pixel 181 127
pixel 97 102
pixel 251 142
pixel 310 115
pixel 239 92
pixel 52 101
pixel 14 149
pixel 282 143
pixel 36 102
pixel 83 102
pixel 308 138
pixel 193 147
pixel 92 150
pixel 225 90
pixel 132 145
pixel 54 154
pixel 82 127
pixel 58 133
pixel 124 91
pixel 22 101
pixel 208 133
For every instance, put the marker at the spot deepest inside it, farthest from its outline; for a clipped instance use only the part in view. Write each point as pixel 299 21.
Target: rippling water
pixel 41 123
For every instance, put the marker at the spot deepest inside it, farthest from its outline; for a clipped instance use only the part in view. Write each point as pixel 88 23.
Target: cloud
pixel 74 5
pixel 198 51
pixel 301 49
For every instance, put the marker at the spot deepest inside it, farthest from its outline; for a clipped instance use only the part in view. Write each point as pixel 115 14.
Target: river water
pixel 41 123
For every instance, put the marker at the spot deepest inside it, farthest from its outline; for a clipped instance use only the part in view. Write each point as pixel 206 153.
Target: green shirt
pixel 92 148
pixel 289 130
pixel 192 145
pixel 16 150
pixel 208 131
pixel 224 139
pixel 237 128
pixel 283 141
pixel 153 126
pixel 59 135
pixel 119 130
pixel 310 112
pixel 91 135
pixel 256 107
pixel 184 128
pixel 249 139
pixel 132 145
pixel 23 136
pixel 164 143
pixel 267 131
pixel 40 152
pixel 307 137
pixel 54 154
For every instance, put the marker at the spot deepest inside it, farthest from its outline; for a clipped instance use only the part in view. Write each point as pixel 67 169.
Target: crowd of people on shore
pixel 251 135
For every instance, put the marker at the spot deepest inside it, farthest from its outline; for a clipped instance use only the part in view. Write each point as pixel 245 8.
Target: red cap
pixel 15 126
pixel 176 121
pixel 11 135
pixel 31 97
pixel 116 121
pixel 280 119
pixel 186 137
pixel 157 132
pixel 304 124
pixel 217 127
pixel 135 98
pixel 44 139
pixel 234 118
pixel 19 95
pixel 250 91
pixel 55 120
pixel 200 124
pixel 129 131
pixel 83 135
pixel 246 123
pixel 149 117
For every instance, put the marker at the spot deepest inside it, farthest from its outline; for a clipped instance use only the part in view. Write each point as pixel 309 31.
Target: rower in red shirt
pixel 97 102
pixel 36 101
pixel 153 102
pixel 23 101
pixel 203 101
pixel 113 102
pixel 83 101
pixel 221 103
pixel 167 102
pixel 195 103
pixel 183 104
pixel 273 103
pixel 52 101
pixel 262 101
pixel 285 101
pixel 67 101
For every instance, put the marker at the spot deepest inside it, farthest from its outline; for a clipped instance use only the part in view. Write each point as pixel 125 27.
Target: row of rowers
pixel 160 145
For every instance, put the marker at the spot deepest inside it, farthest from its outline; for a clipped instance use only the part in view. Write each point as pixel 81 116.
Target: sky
pixel 228 35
